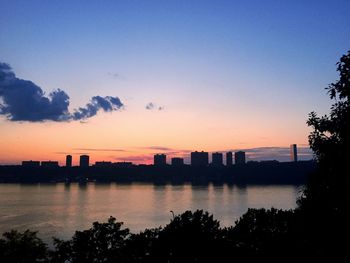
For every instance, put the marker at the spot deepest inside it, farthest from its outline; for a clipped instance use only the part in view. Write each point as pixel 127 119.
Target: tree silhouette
pixel 326 200
pixel 189 237
pixel 22 247
pixel 101 243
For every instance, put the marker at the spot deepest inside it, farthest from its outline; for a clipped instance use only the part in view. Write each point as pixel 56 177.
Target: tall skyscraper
pixel 159 160
pixel 229 159
pixel 293 153
pixel 217 159
pixel 199 158
pixel 84 160
pixel 69 161
pixel 240 157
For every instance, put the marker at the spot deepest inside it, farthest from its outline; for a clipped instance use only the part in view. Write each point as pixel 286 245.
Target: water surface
pixel 59 209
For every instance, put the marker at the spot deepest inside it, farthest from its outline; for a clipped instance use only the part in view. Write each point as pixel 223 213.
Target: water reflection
pixel 60 209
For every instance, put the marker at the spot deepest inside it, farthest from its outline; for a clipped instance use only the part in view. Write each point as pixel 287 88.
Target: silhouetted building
pixel 49 164
pixel 30 163
pixel 103 164
pixel 199 158
pixel 293 153
pixel 159 160
pixel 229 159
pixel 69 161
pixel 177 161
pixel 240 157
pixel 269 161
pixel 217 159
pixel 84 161
pixel 123 164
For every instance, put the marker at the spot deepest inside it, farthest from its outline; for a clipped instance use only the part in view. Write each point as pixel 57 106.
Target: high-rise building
pixel 84 160
pixel 69 161
pixel 217 159
pixel 240 157
pixel 229 159
pixel 293 153
pixel 199 158
pixel 177 161
pixel 159 160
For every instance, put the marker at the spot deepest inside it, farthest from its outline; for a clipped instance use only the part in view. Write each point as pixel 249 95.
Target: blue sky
pixel 234 62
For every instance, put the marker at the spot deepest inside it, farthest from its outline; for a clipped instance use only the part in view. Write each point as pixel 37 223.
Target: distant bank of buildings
pixel 198 159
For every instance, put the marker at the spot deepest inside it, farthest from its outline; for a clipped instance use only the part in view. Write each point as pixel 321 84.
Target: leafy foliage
pixel 326 201
pixel 101 243
pixel 22 247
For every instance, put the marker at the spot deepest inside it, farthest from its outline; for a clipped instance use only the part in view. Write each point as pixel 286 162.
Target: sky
pixel 123 80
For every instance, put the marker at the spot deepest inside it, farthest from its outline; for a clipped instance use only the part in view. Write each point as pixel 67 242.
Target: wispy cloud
pixel 275 153
pixel 140 159
pixel 98 150
pixel 153 106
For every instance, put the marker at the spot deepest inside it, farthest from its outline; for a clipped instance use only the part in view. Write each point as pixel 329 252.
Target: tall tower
pixel 240 157
pixel 199 158
pixel 159 160
pixel 84 160
pixel 293 153
pixel 217 159
pixel 229 159
pixel 69 161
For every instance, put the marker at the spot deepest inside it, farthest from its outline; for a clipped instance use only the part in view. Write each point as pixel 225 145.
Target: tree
pixel 326 200
pixel 103 242
pixel 189 237
pixel 22 247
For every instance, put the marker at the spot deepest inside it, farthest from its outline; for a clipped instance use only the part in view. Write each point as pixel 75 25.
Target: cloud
pixel 276 153
pixel 106 104
pixel 23 100
pixel 98 150
pixel 140 159
pixel 150 106
pixel 153 106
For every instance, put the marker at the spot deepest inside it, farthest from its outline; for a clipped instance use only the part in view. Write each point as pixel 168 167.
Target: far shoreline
pixel 259 173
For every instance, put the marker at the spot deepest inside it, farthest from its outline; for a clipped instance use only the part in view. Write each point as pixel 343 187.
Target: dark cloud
pixel 150 106
pixel 106 104
pixel 23 100
pixel 153 106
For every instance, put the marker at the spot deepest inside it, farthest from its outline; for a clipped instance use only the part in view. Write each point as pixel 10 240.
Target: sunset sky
pixel 190 75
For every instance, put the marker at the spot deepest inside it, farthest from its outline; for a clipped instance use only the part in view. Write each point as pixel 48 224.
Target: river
pixel 60 209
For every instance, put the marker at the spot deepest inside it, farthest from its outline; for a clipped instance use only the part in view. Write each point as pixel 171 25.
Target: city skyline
pixel 194 158
pixel 124 80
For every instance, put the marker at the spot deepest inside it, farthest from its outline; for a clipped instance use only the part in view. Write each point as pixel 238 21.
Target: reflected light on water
pixel 60 209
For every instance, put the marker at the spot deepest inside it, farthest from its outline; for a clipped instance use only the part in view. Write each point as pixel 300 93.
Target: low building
pixel 49 164
pixel 103 164
pixel 31 163
pixel 176 161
